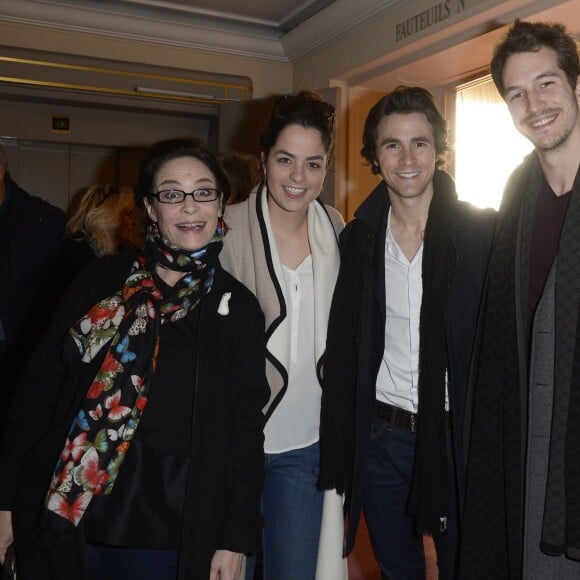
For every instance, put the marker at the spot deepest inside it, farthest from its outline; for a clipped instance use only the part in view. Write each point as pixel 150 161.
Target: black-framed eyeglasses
pixel 177 196
pixel 288 103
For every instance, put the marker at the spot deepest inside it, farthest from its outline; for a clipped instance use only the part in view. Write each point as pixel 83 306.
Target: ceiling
pixel 274 16
pixel 279 30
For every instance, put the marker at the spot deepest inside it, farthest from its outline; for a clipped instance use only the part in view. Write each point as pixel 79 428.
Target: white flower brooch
pixel 224 307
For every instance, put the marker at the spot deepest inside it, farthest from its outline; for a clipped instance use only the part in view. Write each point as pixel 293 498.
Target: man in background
pixel 522 517
pixel 31 231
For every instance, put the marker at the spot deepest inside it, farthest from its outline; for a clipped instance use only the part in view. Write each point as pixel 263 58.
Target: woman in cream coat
pixel 282 244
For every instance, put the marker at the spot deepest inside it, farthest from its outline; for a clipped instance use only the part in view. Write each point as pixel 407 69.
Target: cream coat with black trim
pixel 251 256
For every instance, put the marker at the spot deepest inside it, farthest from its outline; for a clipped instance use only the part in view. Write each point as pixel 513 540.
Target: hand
pixel 6 537
pixel 226 565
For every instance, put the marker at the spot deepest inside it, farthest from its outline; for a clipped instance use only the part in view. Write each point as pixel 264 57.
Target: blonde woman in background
pixel 107 220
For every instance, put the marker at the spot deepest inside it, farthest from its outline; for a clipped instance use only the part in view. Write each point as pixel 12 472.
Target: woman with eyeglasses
pixel 135 445
pixel 282 244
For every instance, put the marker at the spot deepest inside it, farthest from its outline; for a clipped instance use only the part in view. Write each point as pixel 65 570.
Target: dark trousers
pixel 113 563
pixel 397 548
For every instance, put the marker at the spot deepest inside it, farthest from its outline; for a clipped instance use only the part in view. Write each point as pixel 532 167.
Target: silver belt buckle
pixel 413 423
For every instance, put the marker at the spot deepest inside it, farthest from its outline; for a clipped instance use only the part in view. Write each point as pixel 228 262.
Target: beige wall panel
pixel 89 166
pixel 31 120
pixel 58 172
pixel 129 160
pixel 44 171
pixel 331 191
pixel 241 125
pixel 361 181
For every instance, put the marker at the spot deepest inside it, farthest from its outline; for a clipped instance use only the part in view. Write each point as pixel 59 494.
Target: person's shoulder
pixel 107 272
pixel 76 251
pixel 355 228
pixel 237 219
pixel 114 262
pixel 473 226
pixel 335 217
pixel 237 211
pixel 471 213
pixel 51 211
pixel 529 163
pixel 515 186
pixel 99 279
pixel 354 240
pixel 38 208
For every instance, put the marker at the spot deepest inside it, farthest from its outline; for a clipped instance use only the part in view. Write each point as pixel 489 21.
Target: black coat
pixel 31 232
pixel 226 473
pixel 356 335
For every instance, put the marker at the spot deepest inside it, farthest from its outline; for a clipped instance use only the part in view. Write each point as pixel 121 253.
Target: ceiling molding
pixel 339 19
pixel 140 27
pixel 171 24
pixel 142 6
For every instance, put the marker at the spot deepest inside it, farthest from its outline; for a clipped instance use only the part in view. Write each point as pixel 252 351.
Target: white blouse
pixel 295 422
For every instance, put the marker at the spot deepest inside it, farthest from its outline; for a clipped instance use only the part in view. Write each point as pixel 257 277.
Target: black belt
pixel 395 416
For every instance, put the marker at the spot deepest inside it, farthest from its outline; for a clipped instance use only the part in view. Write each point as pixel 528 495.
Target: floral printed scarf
pixel 128 324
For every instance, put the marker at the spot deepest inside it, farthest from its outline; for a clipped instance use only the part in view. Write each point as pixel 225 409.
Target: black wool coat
pixel 355 343
pixel 31 232
pixel 222 505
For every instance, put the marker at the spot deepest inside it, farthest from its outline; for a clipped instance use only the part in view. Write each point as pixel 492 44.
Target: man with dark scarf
pixel 400 337
pixel 522 517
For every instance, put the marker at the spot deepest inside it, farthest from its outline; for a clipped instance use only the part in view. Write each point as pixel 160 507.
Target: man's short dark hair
pixel 531 37
pixel 404 100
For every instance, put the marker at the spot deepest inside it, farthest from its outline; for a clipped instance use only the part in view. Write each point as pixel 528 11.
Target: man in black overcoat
pixel 400 337
pixel 522 517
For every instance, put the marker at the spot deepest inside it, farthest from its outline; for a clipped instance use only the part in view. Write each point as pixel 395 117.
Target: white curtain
pixel 487 145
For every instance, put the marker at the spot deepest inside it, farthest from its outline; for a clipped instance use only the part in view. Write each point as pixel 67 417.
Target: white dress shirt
pixel 398 378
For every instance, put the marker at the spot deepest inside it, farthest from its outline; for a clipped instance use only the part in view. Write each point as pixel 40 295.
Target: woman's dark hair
pixel 164 151
pixel 531 37
pixel 404 100
pixel 305 109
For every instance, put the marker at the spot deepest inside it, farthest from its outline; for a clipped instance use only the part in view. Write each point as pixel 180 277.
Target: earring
pixel 154 227
pixel 220 226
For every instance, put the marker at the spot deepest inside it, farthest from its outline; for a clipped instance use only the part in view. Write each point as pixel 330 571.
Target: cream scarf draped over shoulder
pixel 250 254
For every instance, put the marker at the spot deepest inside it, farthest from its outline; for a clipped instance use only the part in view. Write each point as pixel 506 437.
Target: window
pixel 487 145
